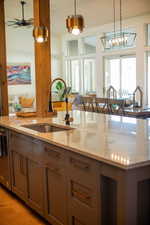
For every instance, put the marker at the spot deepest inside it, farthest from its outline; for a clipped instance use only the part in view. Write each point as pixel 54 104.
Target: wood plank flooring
pixel 14 212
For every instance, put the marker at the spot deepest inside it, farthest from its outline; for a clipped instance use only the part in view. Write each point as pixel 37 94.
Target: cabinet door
pixel 35 177
pixel 56 195
pixel 19 170
pixel 83 188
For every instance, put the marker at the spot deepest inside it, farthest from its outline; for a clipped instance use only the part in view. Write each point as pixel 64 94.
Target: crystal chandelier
pixel 118 39
pixel 75 23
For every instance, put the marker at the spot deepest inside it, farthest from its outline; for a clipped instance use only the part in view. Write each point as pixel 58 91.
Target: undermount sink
pixel 46 127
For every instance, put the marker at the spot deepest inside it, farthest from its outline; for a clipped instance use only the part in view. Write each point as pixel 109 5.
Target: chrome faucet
pixel 66 92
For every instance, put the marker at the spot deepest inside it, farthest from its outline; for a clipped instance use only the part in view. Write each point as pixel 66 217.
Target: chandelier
pixel 75 23
pixel 119 39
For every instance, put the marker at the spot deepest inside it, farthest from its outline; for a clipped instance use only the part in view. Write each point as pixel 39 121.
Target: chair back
pixel 115 106
pixel 111 92
pixel 88 102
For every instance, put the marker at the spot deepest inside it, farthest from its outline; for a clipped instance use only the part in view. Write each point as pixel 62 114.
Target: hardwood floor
pixel 14 212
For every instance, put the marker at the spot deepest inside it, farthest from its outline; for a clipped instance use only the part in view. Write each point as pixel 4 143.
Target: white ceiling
pixel 95 12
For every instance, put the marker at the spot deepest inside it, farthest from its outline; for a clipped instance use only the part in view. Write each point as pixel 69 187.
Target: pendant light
pixel 118 39
pixel 40 34
pixel 75 23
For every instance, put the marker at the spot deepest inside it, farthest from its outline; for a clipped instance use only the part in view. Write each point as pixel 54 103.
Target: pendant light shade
pixel 75 23
pixel 118 39
pixel 40 34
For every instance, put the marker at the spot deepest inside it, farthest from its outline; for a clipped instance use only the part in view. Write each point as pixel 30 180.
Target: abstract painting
pixel 19 73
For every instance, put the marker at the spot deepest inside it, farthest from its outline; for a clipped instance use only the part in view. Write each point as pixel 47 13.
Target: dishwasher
pixel 4 158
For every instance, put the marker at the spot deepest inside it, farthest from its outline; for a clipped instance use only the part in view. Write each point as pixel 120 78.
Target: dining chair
pixel 115 106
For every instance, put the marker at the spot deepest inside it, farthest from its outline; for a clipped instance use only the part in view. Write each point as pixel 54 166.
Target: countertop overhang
pixel 120 141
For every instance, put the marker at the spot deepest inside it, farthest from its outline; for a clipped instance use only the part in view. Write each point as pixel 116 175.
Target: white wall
pixel 20 49
pixel 56 53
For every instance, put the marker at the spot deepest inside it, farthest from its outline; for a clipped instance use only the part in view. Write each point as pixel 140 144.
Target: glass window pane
pixel 67 72
pixel 118 73
pixel 89 76
pixel 128 75
pixel 112 73
pixel 75 76
pixel 148 33
pixel 72 48
pixel 89 44
pixel 149 79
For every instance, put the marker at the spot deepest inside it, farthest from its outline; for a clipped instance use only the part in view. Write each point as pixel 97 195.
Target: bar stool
pixel 101 104
pixel 111 92
pixel 119 109
pixel 138 89
pixel 88 103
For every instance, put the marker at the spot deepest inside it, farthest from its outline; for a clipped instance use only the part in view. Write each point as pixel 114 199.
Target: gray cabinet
pixel 19 175
pixel 27 173
pixel 83 189
pixel 35 181
pixel 4 158
pixel 61 186
pixel 56 196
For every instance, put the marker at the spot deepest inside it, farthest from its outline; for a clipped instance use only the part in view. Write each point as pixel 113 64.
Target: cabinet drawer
pixel 84 217
pixel 81 193
pixel 20 143
pixel 53 154
pixel 81 169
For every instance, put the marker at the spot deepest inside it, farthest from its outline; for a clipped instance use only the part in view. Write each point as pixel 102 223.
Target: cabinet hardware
pixel 1 178
pixel 52 153
pixel 79 164
pixel 83 196
pixel 54 170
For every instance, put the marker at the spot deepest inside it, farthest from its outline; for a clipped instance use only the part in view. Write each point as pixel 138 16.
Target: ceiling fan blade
pixel 21 22
pixel 10 25
pixel 17 19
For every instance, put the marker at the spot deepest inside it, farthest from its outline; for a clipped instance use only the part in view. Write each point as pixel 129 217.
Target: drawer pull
pixel 52 153
pixel 83 196
pixel 54 170
pixel 79 164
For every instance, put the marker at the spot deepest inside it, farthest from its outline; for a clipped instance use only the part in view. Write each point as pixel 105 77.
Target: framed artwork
pixel 19 73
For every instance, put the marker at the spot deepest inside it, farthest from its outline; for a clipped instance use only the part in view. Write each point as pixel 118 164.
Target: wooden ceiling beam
pixel 42 58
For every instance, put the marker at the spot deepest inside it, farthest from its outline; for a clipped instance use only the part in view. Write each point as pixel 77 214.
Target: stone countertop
pixel 116 140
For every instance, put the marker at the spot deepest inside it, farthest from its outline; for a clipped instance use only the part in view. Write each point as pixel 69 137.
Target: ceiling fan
pixel 21 22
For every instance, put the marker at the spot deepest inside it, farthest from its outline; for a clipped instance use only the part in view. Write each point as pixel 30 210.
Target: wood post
pixel 3 72
pixel 42 58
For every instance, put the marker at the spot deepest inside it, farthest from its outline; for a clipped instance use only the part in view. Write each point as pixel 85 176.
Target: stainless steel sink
pixel 46 127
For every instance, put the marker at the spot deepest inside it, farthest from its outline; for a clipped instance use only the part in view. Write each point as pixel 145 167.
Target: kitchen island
pixel 97 173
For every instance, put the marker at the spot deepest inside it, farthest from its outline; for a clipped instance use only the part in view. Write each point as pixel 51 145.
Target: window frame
pixel 120 57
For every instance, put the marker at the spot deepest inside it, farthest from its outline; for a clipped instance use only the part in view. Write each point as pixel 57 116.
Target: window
pixel 149 78
pixel 118 72
pixel 89 45
pixel 89 76
pixel 72 48
pixel 80 68
pixel 148 34
pixel 75 76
